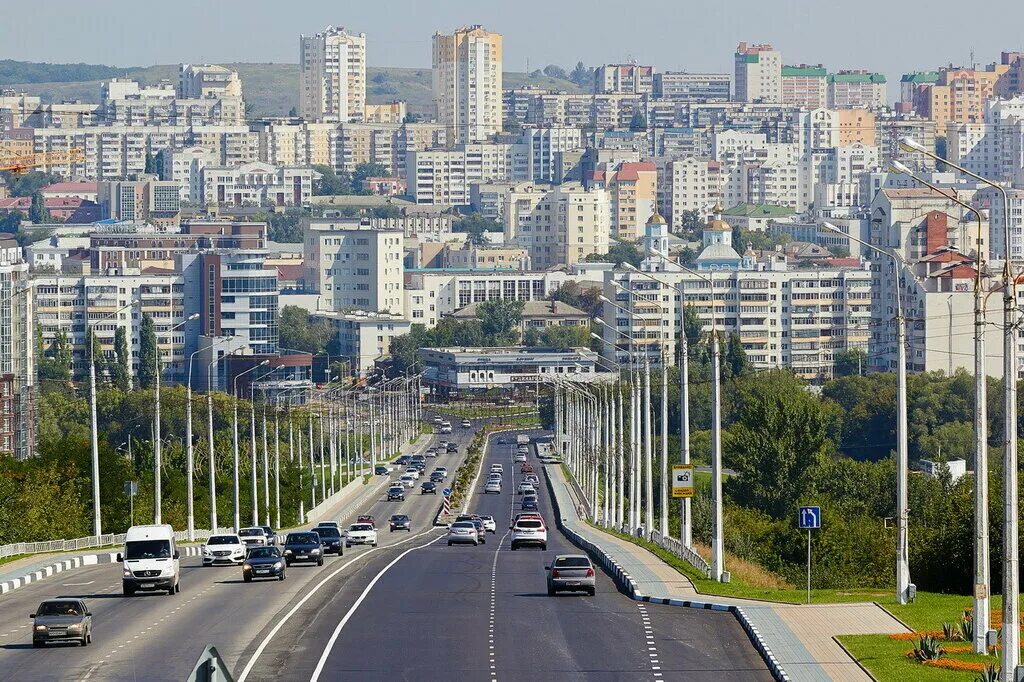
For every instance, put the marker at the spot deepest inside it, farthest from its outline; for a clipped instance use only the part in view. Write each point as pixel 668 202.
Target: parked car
pixel 571 573
pixel 61 620
pixel 466 424
pixel 400 522
pixel 263 562
pixel 303 546
pixel 150 560
pixel 428 488
pixel 361 534
pixel 223 549
pixel 463 532
pixel 396 492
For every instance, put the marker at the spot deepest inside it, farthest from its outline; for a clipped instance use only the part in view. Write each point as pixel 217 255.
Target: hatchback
pixel 61 620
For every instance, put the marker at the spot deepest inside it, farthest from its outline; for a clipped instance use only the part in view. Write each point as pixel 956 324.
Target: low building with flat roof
pixel 449 372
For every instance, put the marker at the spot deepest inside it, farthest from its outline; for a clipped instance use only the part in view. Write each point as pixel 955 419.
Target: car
pixel 417 458
pixel 61 620
pixel 481 531
pixel 431 452
pixel 436 477
pixel 254 536
pixel 532 479
pixel 403 460
pixel 444 428
pixel 489 524
pixel 493 486
pixel 361 534
pixel 408 480
pixel 529 503
pixel 462 532
pixel 466 424
pixel 428 488
pixel 441 470
pixel 571 573
pixel 330 537
pixel 502 440
pixel 526 488
pixel 263 562
pixel 498 468
pixel 328 524
pixel 303 546
pixel 413 469
pixel 367 518
pixel 150 560
pixel 442 444
pixel 532 516
pixel 529 532
pixel 437 419
pixel 270 534
pixel 223 549
pixel 453 449
pixel 400 522
pixel 381 471
pixel 396 492
pixel 520 457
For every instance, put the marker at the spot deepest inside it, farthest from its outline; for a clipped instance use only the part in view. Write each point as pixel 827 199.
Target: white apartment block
pixel 467 73
pixel 210 82
pixel 557 225
pixel 257 184
pixel 332 80
pixel 444 176
pixel 542 146
pixel 364 337
pixel 692 87
pixel 793 319
pixel 291 143
pixel 433 294
pixel 626 79
pixel 184 167
pixel 17 352
pixel 354 267
pixel 692 184
pixel 758 74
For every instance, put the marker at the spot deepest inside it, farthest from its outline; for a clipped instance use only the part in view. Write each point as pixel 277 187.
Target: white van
pixel 149 560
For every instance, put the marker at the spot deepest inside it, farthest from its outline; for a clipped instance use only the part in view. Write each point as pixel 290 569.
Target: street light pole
pixel 234 430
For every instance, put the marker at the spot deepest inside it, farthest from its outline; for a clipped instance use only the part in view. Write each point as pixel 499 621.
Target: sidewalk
pixel 801 638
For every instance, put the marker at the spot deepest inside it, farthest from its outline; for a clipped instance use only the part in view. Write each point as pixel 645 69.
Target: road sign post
pixel 131 489
pixel 809 519
pixel 682 480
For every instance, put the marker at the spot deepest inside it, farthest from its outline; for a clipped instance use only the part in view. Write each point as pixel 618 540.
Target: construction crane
pixel 20 163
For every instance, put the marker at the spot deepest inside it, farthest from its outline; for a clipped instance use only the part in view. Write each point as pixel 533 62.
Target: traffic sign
pixel 447 492
pixel 682 480
pixel 810 518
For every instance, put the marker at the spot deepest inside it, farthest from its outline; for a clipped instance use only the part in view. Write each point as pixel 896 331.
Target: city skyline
pixel 403 38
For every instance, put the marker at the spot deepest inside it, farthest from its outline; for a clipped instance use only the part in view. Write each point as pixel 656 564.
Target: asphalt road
pixel 427 611
pixel 159 637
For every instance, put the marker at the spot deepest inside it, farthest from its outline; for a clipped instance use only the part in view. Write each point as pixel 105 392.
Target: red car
pixel 367 518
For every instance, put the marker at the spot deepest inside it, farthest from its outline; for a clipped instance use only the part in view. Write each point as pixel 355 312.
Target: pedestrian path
pixel 802 638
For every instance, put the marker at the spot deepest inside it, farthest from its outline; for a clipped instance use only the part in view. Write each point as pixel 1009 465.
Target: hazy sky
pixel 892 36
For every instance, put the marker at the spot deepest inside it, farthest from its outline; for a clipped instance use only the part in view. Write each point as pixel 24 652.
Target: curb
pixel 73 563
pixel 627 584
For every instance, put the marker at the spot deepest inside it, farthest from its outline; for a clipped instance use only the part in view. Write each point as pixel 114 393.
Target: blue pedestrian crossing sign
pixel 447 492
pixel 810 518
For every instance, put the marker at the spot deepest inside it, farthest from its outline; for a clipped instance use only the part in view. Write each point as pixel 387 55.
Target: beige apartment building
pixel 633 191
pixel 332 81
pixel 856 90
pixel 804 86
pixel 557 224
pixel 467 76
pixel 758 74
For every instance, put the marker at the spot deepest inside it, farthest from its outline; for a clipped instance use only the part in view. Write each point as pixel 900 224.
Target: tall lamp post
pixel 234 394
pixel 903 584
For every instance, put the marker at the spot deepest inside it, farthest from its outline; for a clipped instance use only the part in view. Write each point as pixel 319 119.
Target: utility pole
pixel 717 521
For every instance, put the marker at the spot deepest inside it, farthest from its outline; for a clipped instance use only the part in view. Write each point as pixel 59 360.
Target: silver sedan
pixel 571 573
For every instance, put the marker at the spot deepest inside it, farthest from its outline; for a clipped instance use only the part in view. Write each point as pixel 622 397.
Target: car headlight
pixel 278 564
pixel 40 628
pixel 238 550
pixel 207 552
pixel 75 627
pixel 315 551
pixel 287 551
pixel 127 573
pixel 246 566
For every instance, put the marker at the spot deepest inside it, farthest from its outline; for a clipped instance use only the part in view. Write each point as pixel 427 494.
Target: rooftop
pixel 532 309
pixel 759 211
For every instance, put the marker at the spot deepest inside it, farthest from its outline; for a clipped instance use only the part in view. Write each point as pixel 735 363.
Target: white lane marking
pixel 366 591
pixel 277 627
pixel 79 584
pixel 652 649
pixel 494 568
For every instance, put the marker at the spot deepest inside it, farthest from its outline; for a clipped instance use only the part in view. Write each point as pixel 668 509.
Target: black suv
pixel 330 538
pixel 400 522
pixel 303 546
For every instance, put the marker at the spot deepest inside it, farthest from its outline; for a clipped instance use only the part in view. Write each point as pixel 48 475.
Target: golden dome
pixel 718 226
pixel 656 219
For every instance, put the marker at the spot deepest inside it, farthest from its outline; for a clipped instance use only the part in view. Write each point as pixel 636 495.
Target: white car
pixel 361 534
pixel 493 486
pixel 462 532
pixel 527 532
pixel 441 470
pixel 520 457
pixel 497 468
pixel 223 549
pixel 413 471
pixel 408 480
pixel 253 537
pixel 526 489
pixel 489 525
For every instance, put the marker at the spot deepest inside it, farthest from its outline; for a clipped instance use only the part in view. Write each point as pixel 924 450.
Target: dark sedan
pixel 428 488
pixel 400 522
pixel 331 539
pixel 529 503
pixel 436 477
pixel 303 547
pixel 263 562
pixel 381 471
pixel 62 620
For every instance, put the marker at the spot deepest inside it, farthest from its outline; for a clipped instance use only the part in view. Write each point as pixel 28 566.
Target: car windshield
pixel 572 562
pixel 361 527
pixel 147 549
pixel 399 517
pixel 60 608
pixel 250 532
pixel 303 539
pixel 222 540
pixel 264 553
pixel 395 488
pixel 328 532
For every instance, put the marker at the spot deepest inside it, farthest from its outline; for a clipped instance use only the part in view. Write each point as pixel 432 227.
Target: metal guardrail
pixel 91 542
pixel 685 553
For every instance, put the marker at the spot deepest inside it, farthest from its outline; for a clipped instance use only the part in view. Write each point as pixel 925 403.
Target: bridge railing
pixel 92 542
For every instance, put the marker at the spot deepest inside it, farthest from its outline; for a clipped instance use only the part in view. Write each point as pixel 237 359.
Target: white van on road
pixel 150 560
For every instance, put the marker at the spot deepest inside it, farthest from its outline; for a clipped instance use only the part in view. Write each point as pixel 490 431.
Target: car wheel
pixel 170 591
pixel 543 548
pixel 375 544
pixel 247 578
pixel 449 544
pixel 514 548
pixel 85 641
pixel 280 577
pixel 551 592
pixel 128 591
pixel 592 591
pixel 320 562
pixel 88 636
pixel 177 587
pixel 287 562
pixel 36 644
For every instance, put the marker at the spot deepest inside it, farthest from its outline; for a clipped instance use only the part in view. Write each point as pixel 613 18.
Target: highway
pixel 159 637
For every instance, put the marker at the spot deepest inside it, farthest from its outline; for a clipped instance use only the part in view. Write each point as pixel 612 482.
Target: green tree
pixel 619 253
pixel 581 75
pixel 780 436
pixel 578 296
pixel 555 71
pixel 559 336
pixel 868 405
pixel 119 372
pixel 388 210
pixel 37 213
pixel 11 222
pixel 475 225
pixel 301 331
pixel 364 171
pixel 330 182
pixel 692 223
pixel 693 327
pixel 27 184
pixel 736 363
pixel 147 353
pixel 850 362
pixel 500 320
pixel 638 122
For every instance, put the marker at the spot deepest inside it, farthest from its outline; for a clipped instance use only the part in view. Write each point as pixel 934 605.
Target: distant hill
pixel 270 89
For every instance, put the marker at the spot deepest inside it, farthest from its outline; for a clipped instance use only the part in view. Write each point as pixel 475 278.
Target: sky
pixel 891 36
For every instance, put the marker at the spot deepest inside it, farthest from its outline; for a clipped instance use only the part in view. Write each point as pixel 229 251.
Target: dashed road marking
pixel 652 648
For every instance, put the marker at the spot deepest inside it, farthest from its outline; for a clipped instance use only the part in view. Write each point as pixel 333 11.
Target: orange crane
pixel 22 162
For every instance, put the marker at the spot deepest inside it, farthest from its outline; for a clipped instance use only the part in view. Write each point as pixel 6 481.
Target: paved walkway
pixel 802 637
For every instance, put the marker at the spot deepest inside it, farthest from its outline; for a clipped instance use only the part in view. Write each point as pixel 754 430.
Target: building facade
pixel 332 81
pixel 467 73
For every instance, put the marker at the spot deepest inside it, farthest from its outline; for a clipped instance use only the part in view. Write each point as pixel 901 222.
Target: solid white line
pixel 277 627
pixel 337 631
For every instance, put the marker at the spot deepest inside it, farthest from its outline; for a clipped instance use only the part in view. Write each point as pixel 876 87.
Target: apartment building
pixel 626 79
pixel 354 266
pixel 633 191
pixel 184 167
pixel 960 94
pixel 856 90
pixel 805 86
pixel 543 146
pixel 758 74
pixel 257 184
pixel 467 73
pixel 445 176
pixel 557 225
pixel 681 86
pixel 210 82
pixel 691 184
pixel 365 337
pixel 17 353
pixel 855 126
pixel 388 112
pixel 147 200
pixel 332 79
